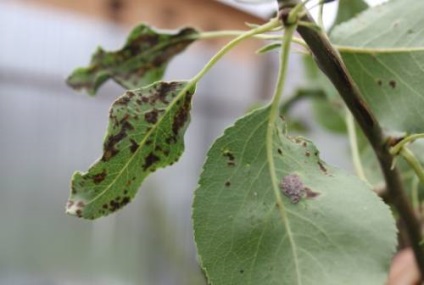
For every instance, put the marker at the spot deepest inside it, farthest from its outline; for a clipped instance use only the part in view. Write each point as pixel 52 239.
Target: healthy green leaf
pixel 141 61
pixel 348 9
pixel 330 228
pixel 145 132
pixel 383 49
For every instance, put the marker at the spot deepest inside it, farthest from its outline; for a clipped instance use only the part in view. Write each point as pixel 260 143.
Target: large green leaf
pixel 330 228
pixel 145 132
pixel 141 61
pixel 348 9
pixel 383 49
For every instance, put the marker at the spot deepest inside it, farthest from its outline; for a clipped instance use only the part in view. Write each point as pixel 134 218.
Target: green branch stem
pixel 259 30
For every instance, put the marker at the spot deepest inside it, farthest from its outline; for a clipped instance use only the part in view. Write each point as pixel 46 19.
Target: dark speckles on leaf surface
pixel 150 160
pixel 113 140
pixel 310 194
pixel 322 167
pixel 230 158
pixel 379 82
pixel 124 100
pixel 182 115
pixel 392 84
pixel 151 117
pixel 280 152
pixel 134 146
pixel 99 177
pixel 228 184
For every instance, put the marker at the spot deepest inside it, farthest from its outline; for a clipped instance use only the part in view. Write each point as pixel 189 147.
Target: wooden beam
pixel 205 15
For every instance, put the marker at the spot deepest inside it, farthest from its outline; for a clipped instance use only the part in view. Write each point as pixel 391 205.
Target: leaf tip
pixel 75 207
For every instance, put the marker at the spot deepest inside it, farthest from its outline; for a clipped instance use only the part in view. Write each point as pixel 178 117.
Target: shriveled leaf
pixel 348 9
pixel 383 49
pixel 330 229
pixel 140 62
pixel 145 132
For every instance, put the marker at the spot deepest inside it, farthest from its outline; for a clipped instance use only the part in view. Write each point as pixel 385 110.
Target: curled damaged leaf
pixel 141 61
pixel 145 132
pixel 330 228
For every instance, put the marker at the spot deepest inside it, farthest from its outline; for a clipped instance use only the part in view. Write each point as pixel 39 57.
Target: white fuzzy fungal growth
pixel 292 187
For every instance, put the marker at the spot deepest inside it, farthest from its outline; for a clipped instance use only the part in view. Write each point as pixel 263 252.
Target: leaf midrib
pixel 283 212
pixel 370 50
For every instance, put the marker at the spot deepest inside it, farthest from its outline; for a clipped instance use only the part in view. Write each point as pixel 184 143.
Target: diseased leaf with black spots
pixel 141 61
pixel 145 132
pixel 287 218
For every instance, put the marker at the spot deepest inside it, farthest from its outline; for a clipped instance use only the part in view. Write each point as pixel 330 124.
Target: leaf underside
pixel 339 232
pixel 145 132
pixel 383 49
pixel 140 62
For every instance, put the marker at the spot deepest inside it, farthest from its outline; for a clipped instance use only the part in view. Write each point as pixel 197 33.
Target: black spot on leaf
pixel 392 84
pixel 310 194
pixel 150 160
pixel 113 140
pixel 322 167
pixel 134 146
pixel 230 158
pixel 182 115
pixel 151 117
pixel 99 177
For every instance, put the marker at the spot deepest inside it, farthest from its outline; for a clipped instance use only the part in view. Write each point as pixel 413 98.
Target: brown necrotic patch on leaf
pixel 182 115
pixel 150 160
pixel 162 91
pixel 152 116
pixel 98 178
pixel 134 146
pixel 322 167
pixel 230 158
pixel 310 194
pixel 109 146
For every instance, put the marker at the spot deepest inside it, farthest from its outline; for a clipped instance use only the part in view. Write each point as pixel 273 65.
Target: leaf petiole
pixel 353 141
pixel 282 73
pixel 411 159
pixel 398 147
pixel 273 23
pixel 232 33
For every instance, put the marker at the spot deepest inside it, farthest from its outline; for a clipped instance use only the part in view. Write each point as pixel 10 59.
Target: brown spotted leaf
pixel 145 132
pixel 383 48
pixel 141 61
pixel 268 210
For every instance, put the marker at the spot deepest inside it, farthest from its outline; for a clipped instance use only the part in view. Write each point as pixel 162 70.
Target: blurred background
pixel 47 131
